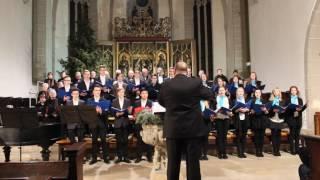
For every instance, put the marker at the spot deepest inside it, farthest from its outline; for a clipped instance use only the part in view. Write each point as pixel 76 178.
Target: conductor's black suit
pixel 183 123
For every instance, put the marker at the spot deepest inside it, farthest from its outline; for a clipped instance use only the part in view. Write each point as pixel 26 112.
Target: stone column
pixel 60 34
pixel 104 20
pixel 204 3
pixel 178 20
pixel 164 8
pixel 50 36
pixel 39 35
pixel 237 36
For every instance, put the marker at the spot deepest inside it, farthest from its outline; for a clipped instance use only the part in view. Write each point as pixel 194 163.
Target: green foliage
pixel 146 117
pixel 84 52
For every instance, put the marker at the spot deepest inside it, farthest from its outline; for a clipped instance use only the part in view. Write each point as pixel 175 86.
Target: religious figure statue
pixel 137 64
pixel 162 61
pixel 124 65
pixel 147 63
pixel 141 23
pixel 187 59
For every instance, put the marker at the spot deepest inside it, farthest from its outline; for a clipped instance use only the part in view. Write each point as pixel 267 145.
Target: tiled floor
pixel 252 168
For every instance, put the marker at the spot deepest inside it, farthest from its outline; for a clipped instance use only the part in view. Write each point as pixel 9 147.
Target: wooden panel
pixel 184 50
pixel 27 169
pixel 138 55
pixel 317 123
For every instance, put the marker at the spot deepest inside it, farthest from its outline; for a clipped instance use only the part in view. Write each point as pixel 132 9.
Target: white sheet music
pixel 157 108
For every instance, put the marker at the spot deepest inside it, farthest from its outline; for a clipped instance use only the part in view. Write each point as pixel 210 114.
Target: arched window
pixel 202 19
pixel 78 13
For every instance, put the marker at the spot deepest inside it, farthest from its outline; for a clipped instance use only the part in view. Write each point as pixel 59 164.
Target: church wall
pixel 188 19
pixel 16 48
pixel 277 40
pixel 312 64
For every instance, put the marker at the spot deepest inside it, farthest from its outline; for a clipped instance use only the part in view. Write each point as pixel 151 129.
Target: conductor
pixel 183 123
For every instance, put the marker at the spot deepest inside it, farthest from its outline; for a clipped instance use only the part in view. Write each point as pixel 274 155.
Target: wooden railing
pixel 68 170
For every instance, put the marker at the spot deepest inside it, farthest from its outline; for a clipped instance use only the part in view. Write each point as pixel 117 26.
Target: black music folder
pixel 79 114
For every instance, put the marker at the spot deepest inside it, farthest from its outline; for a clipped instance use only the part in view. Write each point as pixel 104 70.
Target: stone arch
pixel 312 65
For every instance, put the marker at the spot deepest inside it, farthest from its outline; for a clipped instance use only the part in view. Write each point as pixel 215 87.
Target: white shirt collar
pixel 137 81
pixel 87 83
pixel 67 88
pixel 121 102
pixel 96 99
pixel 143 103
pixel 160 79
pixel 75 102
pixel 103 80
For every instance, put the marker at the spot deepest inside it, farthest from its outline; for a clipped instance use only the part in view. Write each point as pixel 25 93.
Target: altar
pixel 143 41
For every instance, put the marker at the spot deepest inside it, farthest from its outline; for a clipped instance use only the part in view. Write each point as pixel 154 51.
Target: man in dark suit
pixel 161 76
pixel 145 75
pixel 144 103
pixel 121 108
pixel 64 93
pixel 106 82
pixel 102 107
pixel 119 83
pixel 72 127
pixel 153 88
pixel 220 75
pixel 85 86
pixel 183 123
pixel 135 87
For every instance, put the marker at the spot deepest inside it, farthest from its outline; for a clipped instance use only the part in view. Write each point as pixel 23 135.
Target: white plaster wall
pixel 15 48
pixel 278 32
pixel 277 40
pixel 312 67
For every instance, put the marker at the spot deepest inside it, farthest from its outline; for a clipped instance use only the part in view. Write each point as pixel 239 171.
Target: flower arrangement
pixel 146 117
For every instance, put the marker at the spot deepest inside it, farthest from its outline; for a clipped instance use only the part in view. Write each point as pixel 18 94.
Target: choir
pixel 238 105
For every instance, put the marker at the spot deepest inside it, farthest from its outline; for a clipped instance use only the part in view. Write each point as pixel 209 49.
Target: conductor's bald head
pixel 181 68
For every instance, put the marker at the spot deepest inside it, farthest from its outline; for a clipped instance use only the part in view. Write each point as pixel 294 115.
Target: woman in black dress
pixel 276 117
pixel 259 121
pixel 294 118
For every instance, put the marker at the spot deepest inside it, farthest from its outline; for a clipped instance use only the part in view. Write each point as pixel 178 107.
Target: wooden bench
pixel 231 141
pixel 63 170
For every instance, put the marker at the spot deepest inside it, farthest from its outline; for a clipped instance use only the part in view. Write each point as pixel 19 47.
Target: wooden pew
pixel 55 170
pixel 313 146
